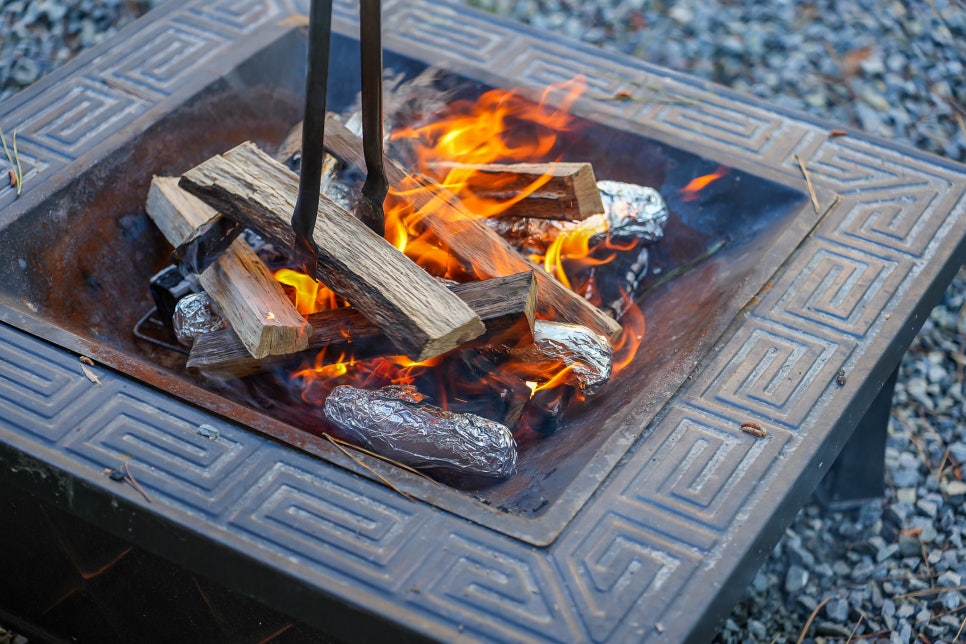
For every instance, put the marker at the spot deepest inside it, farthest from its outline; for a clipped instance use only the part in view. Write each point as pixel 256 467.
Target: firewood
pixel 471 241
pixel 239 282
pixel 502 303
pixel 566 191
pixel 202 247
pixel 418 314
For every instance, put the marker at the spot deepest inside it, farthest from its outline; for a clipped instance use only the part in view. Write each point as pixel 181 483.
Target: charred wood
pixel 395 422
pixel 247 294
pixel 469 240
pixel 202 247
pixel 419 315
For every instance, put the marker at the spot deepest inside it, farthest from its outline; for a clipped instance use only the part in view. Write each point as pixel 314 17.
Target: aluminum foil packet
pixel 195 315
pixel 395 422
pixel 633 212
pixel 588 354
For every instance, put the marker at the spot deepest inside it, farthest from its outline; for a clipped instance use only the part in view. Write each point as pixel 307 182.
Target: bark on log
pixel 239 282
pixel 502 303
pixel 470 240
pixel 418 314
pixel 566 191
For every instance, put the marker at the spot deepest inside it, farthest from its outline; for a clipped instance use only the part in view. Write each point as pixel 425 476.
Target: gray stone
pixel 795 579
pixel 837 610
pixel 949 579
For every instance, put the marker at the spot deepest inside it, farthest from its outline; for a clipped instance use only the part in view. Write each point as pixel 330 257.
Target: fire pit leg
pixel 858 474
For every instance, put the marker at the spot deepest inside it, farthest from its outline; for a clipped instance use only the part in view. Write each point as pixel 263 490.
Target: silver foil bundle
pixel 633 212
pixel 588 355
pixel 194 315
pixel 396 423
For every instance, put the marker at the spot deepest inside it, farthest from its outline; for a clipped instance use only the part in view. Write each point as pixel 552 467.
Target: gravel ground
pixel 891 571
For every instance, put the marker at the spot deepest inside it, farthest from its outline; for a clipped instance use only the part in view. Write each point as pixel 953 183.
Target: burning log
pixel 566 191
pixel 545 411
pixel 469 240
pixel 239 282
pixel 395 422
pixel 500 395
pixel 502 303
pixel 419 315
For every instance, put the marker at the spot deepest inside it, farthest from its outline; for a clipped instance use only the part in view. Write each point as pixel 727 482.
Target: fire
pixel 691 191
pixel 310 295
pixel 500 127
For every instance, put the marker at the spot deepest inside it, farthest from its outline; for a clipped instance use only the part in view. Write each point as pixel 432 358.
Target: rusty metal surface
pixel 667 530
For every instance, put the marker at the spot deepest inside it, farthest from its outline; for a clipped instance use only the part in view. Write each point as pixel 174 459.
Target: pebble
pixel 795 579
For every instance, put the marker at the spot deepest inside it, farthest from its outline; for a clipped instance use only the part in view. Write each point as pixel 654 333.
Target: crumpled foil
pixel 194 315
pixel 395 422
pixel 633 212
pixel 588 354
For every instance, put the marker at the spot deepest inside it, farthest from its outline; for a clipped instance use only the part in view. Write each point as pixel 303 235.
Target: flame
pixel 696 185
pixel 310 295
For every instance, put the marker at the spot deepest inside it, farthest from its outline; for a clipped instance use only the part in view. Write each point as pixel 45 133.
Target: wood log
pixel 469 240
pixel 238 281
pixel 502 303
pixel 565 191
pixel 202 247
pixel 418 314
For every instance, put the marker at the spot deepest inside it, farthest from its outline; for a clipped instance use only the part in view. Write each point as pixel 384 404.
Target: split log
pixel 502 303
pixel 202 247
pixel 470 240
pixel 238 281
pixel 565 191
pixel 418 314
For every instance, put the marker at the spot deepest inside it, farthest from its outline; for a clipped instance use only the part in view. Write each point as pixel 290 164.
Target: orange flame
pixel 696 185
pixel 310 295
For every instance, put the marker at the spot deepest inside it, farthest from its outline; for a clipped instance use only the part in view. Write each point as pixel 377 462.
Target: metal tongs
pixel 374 190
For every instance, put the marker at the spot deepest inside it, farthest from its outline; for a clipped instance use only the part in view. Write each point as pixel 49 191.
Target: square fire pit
pixel 644 517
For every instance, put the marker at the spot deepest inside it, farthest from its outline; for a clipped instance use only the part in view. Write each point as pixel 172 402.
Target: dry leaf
pixel 852 60
pixel 91 375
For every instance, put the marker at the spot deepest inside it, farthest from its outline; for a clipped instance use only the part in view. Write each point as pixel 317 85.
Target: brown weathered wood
pixel 566 191
pixel 418 314
pixel 247 294
pixel 471 241
pixel 502 303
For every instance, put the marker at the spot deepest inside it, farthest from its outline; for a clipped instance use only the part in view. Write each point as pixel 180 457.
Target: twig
pixel 366 467
pixel 960 631
pixel 925 560
pixel 811 618
pixel 680 270
pixel 808 183
pixel 855 628
pixel 13 160
pixel 385 459
pixel 130 479
pixel 929 591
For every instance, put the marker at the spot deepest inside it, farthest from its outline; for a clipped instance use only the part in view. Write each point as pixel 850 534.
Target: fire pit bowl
pixel 627 521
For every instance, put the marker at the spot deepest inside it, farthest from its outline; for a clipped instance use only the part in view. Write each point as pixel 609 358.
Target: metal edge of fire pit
pixel 675 531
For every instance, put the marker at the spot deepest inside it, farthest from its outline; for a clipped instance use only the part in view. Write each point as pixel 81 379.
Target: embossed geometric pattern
pixel 444 30
pixel 619 564
pixel 165 449
pixel 79 115
pixel 166 54
pixel 316 518
pixel 36 394
pixel 705 469
pixel 480 582
pixel 774 372
pixel 837 288
pixel 749 129
pixel 240 15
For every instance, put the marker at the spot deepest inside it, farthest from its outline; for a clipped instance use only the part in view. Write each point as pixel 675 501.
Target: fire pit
pixel 626 523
